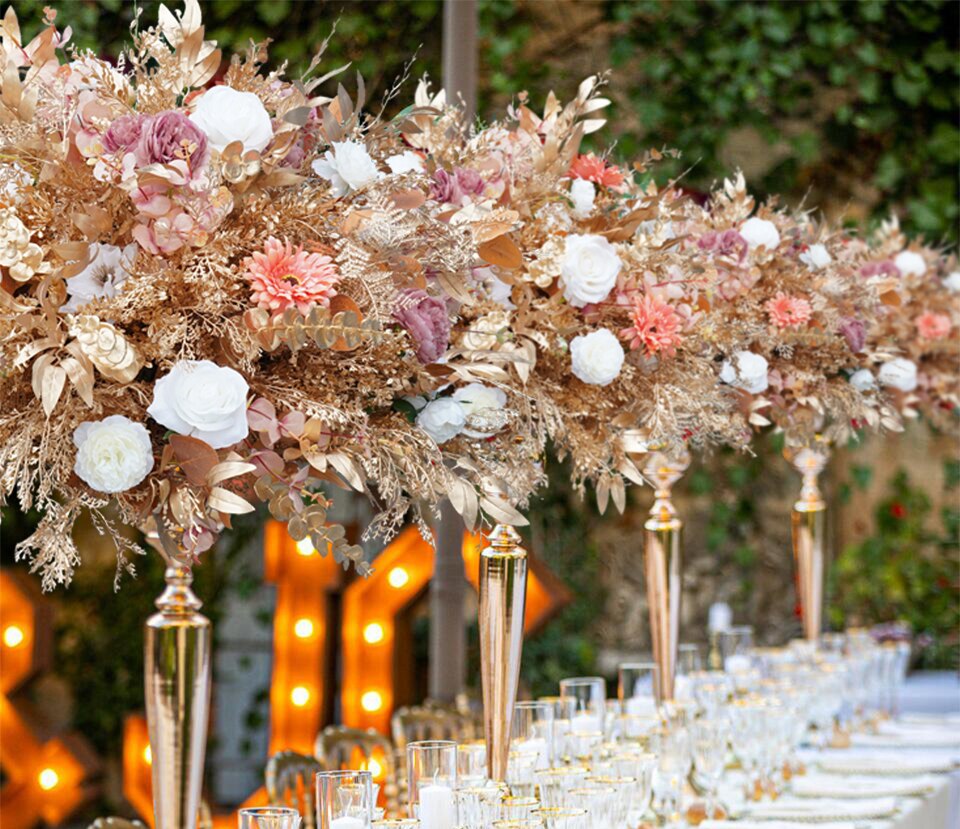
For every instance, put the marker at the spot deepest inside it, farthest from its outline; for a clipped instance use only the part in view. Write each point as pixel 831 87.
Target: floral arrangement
pixel 916 328
pixel 217 293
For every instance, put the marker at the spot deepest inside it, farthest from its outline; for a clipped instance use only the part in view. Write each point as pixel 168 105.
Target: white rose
pixel 113 454
pixel 442 419
pixel 910 263
pixel 597 357
pixel 582 193
pixel 899 373
pixel 203 400
pixel 108 269
pixel 816 257
pixel 952 282
pixel 405 162
pixel 747 371
pixel 863 380
pixel 589 269
pixel 760 232
pixel 348 166
pixel 226 115
pixel 478 402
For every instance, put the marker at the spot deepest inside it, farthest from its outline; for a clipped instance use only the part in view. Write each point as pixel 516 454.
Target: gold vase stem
pixel 503 591
pixel 808 523
pixel 663 566
pixel 177 649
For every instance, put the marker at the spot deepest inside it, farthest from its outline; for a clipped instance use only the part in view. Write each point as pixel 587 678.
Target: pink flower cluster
pixel 656 326
pixel 282 277
pixel 728 243
pixel 457 187
pixel 932 326
pixel 426 319
pixel 787 311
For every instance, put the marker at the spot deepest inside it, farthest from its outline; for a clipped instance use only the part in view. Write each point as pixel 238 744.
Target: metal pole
pixel 448 588
pixel 460 52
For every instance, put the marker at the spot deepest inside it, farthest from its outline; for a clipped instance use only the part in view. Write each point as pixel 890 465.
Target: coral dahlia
pixel 787 311
pixel 594 169
pixel 656 326
pixel 282 277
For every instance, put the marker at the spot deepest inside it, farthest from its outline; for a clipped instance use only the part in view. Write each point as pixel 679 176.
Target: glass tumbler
pixel 345 799
pixel 269 817
pixel 431 783
pixel 590 696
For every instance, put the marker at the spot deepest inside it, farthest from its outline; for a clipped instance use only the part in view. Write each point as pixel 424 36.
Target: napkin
pixel 825 809
pixel 901 764
pixel 774 824
pixel 828 785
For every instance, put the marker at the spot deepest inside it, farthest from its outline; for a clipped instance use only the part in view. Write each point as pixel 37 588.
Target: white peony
pixel 816 257
pixel 589 269
pixel 952 282
pixel 582 193
pixel 203 400
pixel 597 357
pixel 405 162
pixel 478 402
pixel 910 263
pixel 348 166
pixel 226 115
pixel 747 371
pixel 109 267
pixel 760 232
pixel 113 454
pixel 899 373
pixel 863 380
pixel 442 419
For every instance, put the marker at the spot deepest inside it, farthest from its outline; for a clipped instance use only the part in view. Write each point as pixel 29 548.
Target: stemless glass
pixel 562 817
pixel 590 694
pixel 735 645
pixel 345 799
pixel 471 763
pixel 637 688
pixel 432 780
pixel 270 817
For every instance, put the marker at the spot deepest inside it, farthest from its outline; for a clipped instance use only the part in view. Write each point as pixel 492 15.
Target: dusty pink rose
pixel 454 187
pixel 933 326
pixel 886 268
pixel 656 326
pixel 282 277
pixel 787 311
pixel 727 243
pixel 171 136
pixel 425 318
pixel 854 332
pixel 124 133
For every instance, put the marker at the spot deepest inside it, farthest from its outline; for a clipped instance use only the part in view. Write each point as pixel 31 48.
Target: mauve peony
pixel 727 243
pixel 426 319
pixel 454 187
pixel 124 133
pixel 854 332
pixel 886 268
pixel 167 137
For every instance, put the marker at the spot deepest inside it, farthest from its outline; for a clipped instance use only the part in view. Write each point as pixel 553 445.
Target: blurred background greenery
pixel 849 107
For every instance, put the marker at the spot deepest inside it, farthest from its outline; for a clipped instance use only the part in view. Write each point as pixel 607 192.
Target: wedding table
pixel 909 772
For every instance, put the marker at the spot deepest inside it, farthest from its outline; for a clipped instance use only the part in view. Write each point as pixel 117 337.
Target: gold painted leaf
pixel 501 251
pixel 228 469
pixel 196 458
pixel 223 500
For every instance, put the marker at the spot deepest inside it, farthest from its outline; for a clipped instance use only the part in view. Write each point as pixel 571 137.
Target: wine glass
pixel 709 739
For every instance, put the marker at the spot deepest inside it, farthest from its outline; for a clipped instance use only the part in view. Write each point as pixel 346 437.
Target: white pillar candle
pixel 535 745
pixel 346 822
pixel 437 809
pixel 641 706
pixel 585 723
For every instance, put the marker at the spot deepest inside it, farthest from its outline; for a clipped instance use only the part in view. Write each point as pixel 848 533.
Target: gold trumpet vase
pixel 177 648
pixel 809 526
pixel 503 595
pixel 663 564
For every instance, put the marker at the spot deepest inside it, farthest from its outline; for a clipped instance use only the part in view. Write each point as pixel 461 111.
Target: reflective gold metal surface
pixel 809 536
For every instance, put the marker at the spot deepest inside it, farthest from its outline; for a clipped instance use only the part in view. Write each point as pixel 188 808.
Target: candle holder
pixel 345 799
pixel 590 708
pixel 431 782
pixel 532 732
pixel 269 817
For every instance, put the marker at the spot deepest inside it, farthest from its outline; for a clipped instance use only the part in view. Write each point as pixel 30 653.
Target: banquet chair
pixel 430 721
pixel 289 782
pixel 338 747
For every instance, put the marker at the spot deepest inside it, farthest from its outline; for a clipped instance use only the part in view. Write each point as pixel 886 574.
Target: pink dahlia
pixel 933 326
pixel 282 277
pixel 788 311
pixel 594 169
pixel 656 326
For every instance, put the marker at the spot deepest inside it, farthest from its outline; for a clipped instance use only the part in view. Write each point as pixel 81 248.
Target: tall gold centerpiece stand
pixel 663 564
pixel 177 649
pixel 503 595
pixel 808 521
